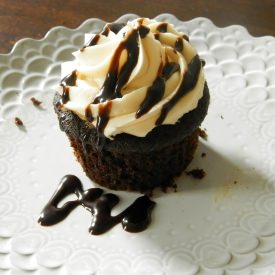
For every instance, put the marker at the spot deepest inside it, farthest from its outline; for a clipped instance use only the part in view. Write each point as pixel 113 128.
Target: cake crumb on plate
pixel 18 121
pixel 196 173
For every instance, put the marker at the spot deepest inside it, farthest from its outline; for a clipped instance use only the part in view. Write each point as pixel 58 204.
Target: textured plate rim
pixel 123 18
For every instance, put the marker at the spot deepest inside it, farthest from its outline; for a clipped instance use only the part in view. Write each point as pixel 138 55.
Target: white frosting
pixel 92 65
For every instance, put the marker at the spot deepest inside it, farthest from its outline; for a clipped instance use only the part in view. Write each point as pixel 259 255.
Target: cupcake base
pixel 134 163
pixel 133 170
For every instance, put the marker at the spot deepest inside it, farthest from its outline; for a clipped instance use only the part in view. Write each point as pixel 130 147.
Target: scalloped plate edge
pixel 125 17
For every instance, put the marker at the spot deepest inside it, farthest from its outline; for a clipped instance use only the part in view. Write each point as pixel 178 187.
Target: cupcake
pixel 131 104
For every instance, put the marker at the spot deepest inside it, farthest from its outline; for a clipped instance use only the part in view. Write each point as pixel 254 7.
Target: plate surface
pixel 222 224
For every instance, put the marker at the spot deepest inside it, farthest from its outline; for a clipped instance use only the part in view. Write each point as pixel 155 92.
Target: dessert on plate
pixel 131 104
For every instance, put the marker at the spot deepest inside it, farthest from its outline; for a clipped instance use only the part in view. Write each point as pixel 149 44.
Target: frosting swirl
pixel 133 79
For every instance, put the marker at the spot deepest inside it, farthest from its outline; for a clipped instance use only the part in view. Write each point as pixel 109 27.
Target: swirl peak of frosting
pixel 131 78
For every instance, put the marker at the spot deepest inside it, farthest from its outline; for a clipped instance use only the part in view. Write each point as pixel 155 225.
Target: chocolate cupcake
pixel 131 104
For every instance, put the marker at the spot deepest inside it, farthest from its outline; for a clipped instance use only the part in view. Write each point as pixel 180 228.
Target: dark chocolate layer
pixel 156 139
pixel 142 171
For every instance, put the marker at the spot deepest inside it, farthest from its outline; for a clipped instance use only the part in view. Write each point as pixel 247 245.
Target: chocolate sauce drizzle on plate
pixel 134 218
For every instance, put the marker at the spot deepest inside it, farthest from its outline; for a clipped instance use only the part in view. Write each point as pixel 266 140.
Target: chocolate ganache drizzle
pixel 188 83
pixel 156 91
pixel 141 83
pixel 94 40
pixel 115 80
pixel 69 80
pixel 135 218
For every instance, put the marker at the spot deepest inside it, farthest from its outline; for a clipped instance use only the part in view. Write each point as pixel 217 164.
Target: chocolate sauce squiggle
pixel 116 27
pixel 94 40
pixel 155 92
pixel 189 82
pixel 143 31
pixel 202 62
pixel 88 114
pixel 156 35
pixel 102 120
pixel 162 27
pixel 179 45
pixel 115 80
pixel 185 37
pixel 69 80
pixel 135 218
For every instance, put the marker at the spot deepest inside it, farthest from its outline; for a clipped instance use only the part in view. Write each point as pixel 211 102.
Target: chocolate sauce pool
pixel 134 218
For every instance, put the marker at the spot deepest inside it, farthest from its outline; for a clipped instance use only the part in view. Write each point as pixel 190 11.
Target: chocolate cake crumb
pixel 18 121
pixel 148 193
pixel 168 184
pixel 175 186
pixel 203 155
pixel 203 134
pixel 164 188
pixel 196 173
pixel 35 101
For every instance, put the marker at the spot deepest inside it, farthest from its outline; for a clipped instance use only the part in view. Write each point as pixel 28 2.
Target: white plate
pixel 210 226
